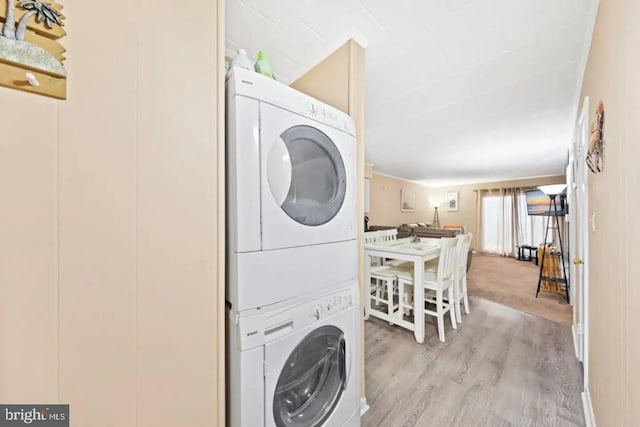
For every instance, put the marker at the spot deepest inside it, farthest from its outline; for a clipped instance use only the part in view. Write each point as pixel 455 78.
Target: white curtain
pixel 496 222
pixel 503 222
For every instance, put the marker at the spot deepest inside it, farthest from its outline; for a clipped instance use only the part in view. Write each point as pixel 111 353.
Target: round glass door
pixel 312 380
pixel 306 165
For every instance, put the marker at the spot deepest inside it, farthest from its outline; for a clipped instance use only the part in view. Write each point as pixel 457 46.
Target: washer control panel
pixel 259 327
pixel 331 305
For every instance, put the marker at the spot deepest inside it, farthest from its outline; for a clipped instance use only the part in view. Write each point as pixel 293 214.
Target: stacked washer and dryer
pixel 292 293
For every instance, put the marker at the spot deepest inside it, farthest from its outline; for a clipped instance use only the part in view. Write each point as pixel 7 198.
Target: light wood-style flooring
pixel 501 367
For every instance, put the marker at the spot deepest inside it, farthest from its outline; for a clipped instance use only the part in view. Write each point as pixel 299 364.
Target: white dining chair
pixel 372 237
pixel 437 280
pixel 460 274
pixel 390 234
pixel 381 291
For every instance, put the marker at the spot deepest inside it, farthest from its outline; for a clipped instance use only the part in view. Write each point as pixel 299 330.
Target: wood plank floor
pixel 501 367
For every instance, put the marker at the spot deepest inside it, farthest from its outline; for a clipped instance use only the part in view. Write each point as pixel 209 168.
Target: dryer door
pixel 307 181
pixel 312 380
pixel 306 175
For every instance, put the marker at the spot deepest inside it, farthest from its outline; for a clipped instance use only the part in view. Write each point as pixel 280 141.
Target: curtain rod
pixel 524 187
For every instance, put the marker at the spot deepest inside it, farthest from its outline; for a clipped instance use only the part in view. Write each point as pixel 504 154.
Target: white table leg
pixel 367 286
pixel 418 300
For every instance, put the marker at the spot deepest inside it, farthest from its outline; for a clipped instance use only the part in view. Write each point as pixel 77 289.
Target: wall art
pixel 452 201
pixel 31 56
pixel 595 156
pixel 408 203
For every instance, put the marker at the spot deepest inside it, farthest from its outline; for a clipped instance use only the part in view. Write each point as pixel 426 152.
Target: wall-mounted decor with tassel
pixel 31 57
pixel 595 156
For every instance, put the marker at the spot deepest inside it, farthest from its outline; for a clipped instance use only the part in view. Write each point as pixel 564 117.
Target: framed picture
pixel 408 201
pixel 452 201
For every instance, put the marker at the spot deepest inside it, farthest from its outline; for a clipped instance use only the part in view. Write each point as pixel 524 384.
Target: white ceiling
pixel 457 91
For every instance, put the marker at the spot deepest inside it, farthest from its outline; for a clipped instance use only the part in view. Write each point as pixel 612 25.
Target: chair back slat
pixel 387 235
pixel 462 252
pixel 372 237
pixel 447 259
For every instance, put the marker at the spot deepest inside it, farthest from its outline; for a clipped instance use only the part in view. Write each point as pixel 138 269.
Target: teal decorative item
pixel 263 66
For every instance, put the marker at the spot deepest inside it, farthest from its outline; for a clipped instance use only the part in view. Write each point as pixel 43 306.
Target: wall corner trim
pixel 364 406
pixel 587 406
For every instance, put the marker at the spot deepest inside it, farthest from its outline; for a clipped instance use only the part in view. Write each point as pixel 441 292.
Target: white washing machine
pixel 296 365
pixel 291 193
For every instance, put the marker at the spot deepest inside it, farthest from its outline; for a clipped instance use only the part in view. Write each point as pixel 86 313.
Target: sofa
pixel 419 230
pixel 424 230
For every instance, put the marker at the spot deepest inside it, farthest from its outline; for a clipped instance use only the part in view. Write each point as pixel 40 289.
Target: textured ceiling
pixel 458 91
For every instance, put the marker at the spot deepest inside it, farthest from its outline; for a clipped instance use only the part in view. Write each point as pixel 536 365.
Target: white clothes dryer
pixel 296 365
pixel 291 193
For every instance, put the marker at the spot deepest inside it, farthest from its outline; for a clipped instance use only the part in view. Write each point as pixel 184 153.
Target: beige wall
pixel 109 248
pixel 339 81
pixel 28 249
pixel 385 199
pixel 612 75
pixel 368 171
pixel 466 215
pixel 328 81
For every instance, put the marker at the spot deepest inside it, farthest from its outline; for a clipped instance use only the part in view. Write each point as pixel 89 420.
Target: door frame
pixel 580 227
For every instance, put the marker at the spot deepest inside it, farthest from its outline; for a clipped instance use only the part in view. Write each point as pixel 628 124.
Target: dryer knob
pixel 316 313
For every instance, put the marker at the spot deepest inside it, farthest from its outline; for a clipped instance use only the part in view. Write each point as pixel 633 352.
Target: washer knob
pixel 316 313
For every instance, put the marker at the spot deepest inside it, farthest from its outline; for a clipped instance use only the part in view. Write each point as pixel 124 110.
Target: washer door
pixel 312 380
pixel 306 175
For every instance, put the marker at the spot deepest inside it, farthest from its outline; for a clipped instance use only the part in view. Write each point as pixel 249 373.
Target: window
pixel 497 220
pixel 505 223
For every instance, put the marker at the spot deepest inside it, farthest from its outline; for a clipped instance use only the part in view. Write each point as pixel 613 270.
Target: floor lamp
pixel 553 191
pixel 436 219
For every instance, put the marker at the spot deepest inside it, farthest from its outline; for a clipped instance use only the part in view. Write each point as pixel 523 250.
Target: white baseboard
pixel 589 417
pixel 574 333
pixel 363 406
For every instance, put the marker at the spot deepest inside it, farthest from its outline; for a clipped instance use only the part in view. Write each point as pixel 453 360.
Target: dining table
pixel 410 249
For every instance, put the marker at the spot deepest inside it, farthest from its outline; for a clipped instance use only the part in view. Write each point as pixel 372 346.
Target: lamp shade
pixel 552 190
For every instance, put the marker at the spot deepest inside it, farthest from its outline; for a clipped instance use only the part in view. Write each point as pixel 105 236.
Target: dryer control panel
pixel 328 115
pixel 254 85
pixel 260 328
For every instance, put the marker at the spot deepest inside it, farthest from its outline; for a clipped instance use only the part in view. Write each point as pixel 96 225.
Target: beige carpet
pixel 513 283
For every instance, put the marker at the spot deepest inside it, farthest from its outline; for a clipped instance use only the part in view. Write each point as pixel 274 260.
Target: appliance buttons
pixel 316 313
pixel 311 109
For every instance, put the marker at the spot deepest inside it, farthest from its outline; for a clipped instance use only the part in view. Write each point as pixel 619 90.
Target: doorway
pixel 579 230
